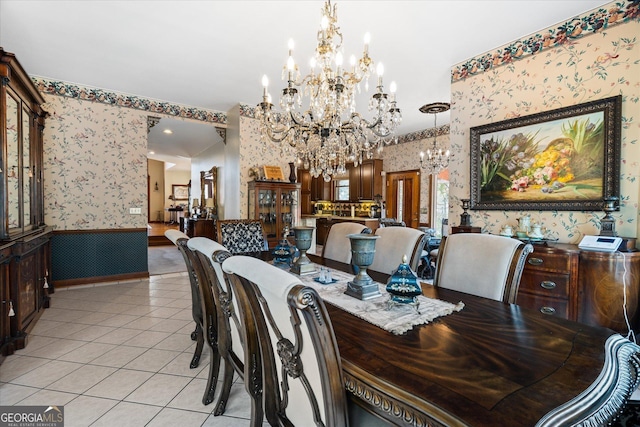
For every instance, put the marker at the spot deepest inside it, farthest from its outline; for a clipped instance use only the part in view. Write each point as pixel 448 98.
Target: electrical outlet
pixel 135 211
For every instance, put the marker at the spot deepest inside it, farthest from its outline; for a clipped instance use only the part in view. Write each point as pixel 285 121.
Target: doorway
pixel 403 197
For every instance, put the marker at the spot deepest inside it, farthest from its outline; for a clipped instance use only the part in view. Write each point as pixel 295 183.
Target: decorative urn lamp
pixel 608 222
pixel 403 285
pixel 465 218
pixel 303 264
pixel 363 249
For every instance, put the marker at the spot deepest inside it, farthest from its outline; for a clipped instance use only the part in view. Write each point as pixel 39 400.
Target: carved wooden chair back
pixel 481 264
pixel 220 312
pixel 338 246
pixel 242 236
pixel 302 374
pixel 393 244
pixel 180 240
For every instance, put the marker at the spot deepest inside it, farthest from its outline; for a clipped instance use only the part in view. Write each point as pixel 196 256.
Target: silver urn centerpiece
pixel 303 235
pixel 363 249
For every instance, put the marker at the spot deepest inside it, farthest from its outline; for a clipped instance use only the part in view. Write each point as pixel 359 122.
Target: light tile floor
pixel 118 354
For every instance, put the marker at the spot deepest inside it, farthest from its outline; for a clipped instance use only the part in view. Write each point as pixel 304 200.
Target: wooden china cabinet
pixel 277 205
pixel 24 238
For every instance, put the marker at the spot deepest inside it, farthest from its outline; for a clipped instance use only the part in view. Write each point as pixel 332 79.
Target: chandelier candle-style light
pixel 327 132
pixel 437 156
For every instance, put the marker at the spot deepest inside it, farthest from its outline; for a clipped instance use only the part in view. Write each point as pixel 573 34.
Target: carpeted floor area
pixel 165 259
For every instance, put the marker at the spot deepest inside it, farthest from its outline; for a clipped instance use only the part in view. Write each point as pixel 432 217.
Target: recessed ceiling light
pixel 167 131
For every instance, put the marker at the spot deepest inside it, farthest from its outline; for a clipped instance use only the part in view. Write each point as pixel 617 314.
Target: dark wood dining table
pixel 490 364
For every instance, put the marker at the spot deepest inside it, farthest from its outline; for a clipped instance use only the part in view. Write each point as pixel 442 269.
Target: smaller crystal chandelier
pixel 437 157
pixel 325 131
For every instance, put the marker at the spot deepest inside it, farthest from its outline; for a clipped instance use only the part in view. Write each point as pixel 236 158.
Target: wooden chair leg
pixel 257 413
pixel 227 381
pixel 214 369
pixel 195 361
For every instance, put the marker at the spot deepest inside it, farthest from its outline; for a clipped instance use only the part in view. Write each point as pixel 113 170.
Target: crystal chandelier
pixel 437 158
pixel 327 132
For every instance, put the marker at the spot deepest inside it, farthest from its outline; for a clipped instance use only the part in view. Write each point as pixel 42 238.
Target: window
pixel 341 189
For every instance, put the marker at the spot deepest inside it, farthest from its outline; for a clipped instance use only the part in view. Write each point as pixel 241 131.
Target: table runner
pixel 397 319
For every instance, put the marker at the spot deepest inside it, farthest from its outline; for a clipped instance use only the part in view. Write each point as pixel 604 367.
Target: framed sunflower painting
pixel 564 159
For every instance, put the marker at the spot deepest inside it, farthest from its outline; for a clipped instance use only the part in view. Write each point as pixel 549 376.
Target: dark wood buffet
pixel 198 227
pixel 25 254
pixel 586 286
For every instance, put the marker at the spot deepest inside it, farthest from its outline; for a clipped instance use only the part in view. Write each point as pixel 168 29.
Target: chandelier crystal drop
pixel 319 124
pixel 437 156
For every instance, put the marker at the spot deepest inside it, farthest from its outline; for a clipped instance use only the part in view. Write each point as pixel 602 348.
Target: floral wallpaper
pixel 254 152
pixel 587 59
pixel 405 156
pixel 95 165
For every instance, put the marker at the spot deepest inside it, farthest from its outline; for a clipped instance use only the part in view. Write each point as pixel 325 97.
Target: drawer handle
pixel 547 310
pixel 548 284
pixel 535 261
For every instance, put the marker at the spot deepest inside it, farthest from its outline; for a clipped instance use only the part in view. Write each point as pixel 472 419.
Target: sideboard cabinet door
pixel 605 278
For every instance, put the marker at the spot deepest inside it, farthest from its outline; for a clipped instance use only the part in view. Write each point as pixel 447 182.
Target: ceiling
pixel 212 54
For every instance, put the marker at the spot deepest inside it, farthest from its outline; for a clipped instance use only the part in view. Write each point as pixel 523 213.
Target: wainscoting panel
pixel 87 256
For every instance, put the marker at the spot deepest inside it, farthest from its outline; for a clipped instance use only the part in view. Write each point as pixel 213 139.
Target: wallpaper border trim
pixel 72 90
pixel 591 22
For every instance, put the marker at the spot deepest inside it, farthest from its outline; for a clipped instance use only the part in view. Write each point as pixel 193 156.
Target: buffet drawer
pixel 545 284
pixel 545 305
pixel 548 261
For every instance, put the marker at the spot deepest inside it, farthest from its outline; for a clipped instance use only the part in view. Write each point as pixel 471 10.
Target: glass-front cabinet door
pixel 12 165
pixel 27 170
pixel 19 170
pixel 277 205
pixel 289 207
pixel 267 200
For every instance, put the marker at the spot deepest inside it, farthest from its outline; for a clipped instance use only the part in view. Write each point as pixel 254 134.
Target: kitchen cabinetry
pixel 585 286
pixel 311 190
pixel 277 205
pixel 24 238
pixel 304 179
pixel 365 180
pixel 323 225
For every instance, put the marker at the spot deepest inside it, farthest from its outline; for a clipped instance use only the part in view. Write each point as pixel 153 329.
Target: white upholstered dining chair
pixel 481 264
pixel 180 239
pixel 223 328
pixel 393 244
pixel 301 367
pixel 338 246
